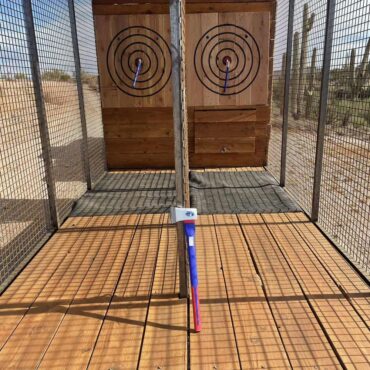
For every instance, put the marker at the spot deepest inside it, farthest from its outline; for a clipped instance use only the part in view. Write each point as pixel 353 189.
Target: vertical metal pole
pixel 99 85
pixel 330 17
pixel 76 53
pixel 41 112
pixel 180 128
pixel 288 62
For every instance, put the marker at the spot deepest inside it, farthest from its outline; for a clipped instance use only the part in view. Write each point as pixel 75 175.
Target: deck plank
pixel 31 338
pixel 165 340
pixel 71 306
pixel 348 333
pixel 74 340
pixel 257 336
pixel 119 342
pixel 305 343
pixel 343 273
pixel 21 294
pixel 215 347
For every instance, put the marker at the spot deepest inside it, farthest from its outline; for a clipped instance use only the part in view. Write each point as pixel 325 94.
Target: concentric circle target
pixel 227 59
pixel 139 43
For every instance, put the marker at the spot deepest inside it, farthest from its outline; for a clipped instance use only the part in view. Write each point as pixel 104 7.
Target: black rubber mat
pixel 211 193
pixel 238 192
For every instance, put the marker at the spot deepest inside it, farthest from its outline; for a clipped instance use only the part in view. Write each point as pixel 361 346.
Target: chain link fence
pixel 90 81
pixel 51 132
pixel 23 192
pixel 42 155
pixel 307 60
pixel 327 164
pixel 278 87
pixel 57 66
pixel 345 192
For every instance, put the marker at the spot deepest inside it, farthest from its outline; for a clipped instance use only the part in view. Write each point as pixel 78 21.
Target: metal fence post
pixel 180 128
pixel 81 102
pixel 41 112
pixel 284 139
pixel 330 17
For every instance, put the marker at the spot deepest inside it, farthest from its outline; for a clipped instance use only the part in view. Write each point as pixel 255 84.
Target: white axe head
pixel 183 214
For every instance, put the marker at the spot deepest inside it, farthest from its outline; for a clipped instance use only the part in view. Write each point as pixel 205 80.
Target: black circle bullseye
pixel 139 61
pixel 227 59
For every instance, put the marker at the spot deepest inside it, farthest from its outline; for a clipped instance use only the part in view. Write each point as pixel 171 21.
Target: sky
pixel 51 17
pixel 53 34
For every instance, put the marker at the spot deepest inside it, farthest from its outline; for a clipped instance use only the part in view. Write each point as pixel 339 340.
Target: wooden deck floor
pixel 102 294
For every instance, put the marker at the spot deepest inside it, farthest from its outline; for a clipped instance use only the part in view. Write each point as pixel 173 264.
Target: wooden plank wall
pixel 138 130
pixel 234 137
pixel 139 138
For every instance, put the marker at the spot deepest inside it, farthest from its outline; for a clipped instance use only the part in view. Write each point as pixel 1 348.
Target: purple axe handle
pixel 190 239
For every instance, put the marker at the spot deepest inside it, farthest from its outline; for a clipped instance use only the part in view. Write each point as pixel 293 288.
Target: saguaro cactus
pixel 282 83
pixel 352 73
pixel 359 77
pixel 363 72
pixel 295 75
pixel 311 82
pixel 306 28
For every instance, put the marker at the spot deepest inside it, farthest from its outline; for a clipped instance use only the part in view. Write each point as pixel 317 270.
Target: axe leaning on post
pixel 188 217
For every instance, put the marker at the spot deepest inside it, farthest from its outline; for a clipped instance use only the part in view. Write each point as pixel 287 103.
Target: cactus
pixel 346 117
pixel 358 78
pixel 295 75
pixel 311 81
pixel 306 28
pixel 360 75
pixel 282 83
pixel 352 73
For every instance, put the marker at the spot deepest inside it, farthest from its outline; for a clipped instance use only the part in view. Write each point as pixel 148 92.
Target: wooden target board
pixel 228 77
pixel 124 41
pixel 238 39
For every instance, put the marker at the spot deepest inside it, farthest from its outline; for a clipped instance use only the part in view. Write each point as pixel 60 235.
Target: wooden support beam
pixel 135 2
pixel 162 8
pixel 180 122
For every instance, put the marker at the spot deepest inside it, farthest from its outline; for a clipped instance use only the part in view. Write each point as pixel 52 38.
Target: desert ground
pixel 345 193
pixel 23 191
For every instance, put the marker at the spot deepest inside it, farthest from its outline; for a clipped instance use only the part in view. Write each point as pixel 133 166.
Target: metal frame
pixel 284 141
pixel 330 17
pixel 180 129
pixel 41 113
pixel 76 53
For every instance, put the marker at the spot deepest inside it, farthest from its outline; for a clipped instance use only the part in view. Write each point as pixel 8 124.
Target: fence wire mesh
pixel 25 218
pixel 345 192
pixel 90 81
pixel 305 85
pixel 278 84
pixel 54 42
pixel 23 192
pixel 345 189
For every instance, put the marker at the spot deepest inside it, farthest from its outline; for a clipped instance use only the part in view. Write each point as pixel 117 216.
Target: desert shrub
pixel 56 75
pixel 7 77
pixel 90 80
pixel 277 92
pixel 366 114
pixel 20 76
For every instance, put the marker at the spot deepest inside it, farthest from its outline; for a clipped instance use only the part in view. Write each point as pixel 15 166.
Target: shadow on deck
pixel 103 292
